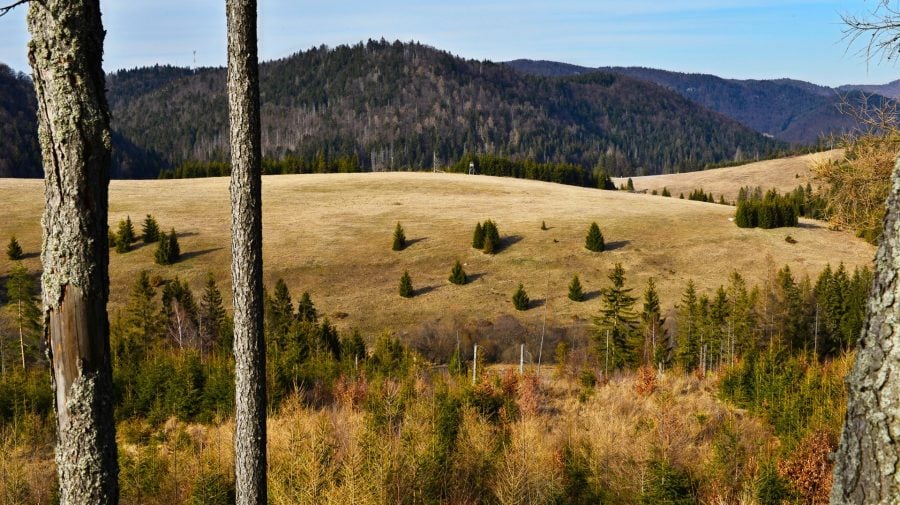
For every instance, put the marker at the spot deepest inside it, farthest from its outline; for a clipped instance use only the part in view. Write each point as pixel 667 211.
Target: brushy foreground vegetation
pixel 424 436
pixel 352 424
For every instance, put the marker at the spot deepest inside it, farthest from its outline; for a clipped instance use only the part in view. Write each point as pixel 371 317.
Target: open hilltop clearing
pixel 331 235
pixel 783 174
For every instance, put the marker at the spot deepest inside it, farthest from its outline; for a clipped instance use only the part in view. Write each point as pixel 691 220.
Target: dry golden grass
pixel 783 174
pixel 331 235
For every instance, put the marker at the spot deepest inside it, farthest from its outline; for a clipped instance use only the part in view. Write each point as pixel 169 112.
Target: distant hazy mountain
pixel 404 106
pixel 794 111
pixel 890 90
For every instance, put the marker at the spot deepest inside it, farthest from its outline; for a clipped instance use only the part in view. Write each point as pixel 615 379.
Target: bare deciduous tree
pixel 246 246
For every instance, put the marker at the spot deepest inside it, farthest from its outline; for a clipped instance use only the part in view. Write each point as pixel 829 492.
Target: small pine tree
pixel 478 237
pixel 575 292
pixel 168 251
pixel 520 298
pixel 125 236
pixel 306 310
pixel 406 289
pixel 665 192
pixel 150 230
pixel 111 237
pixel 174 248
pixel 594 240
pixel 399 239
pixel 544 226
pixel 457 274
pixel 630 185
pixel 163 252
pixel 14 250
pixel 491 237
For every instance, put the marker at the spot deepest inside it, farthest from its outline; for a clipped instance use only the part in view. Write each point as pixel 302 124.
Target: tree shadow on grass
pixel 618 244
pixel 424 290
pixel 509 241
pixel 540 302
pixel 411 241
pixel 591 295
pixel 193 254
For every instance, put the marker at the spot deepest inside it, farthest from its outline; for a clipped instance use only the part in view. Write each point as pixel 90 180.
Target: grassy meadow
pixel 331 234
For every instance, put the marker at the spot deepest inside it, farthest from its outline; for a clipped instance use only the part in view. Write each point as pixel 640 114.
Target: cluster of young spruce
pixel 486 238
pixel 167 251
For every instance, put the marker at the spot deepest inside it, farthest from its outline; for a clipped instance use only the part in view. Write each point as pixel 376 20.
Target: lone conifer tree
pixel 399 239
pixel 66 52
pixel 174 248
pixel 478 237
pixel 617 318
pixel 520 298
pixel 21 294
pixel 457 274
pixel 594 240
pixel 406 289
pixel 491 237
pixel 163 250
pixel 544 226
pixel 125 236
pixel 630 185
pixel 14 250
pixel 575 292
pixel 306 310
pixel 150 230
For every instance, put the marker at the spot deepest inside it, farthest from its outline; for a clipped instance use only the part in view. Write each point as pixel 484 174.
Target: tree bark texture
pixel 246 248
pixel 66 54
pixel 867 462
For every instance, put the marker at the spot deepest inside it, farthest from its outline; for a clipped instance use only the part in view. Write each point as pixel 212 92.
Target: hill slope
pixel 330 234
pixel 794 111
pixel 783 174
pixel 387 105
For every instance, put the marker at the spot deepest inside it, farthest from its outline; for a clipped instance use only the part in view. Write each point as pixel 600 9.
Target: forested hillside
pixel 20 154
pixel 387 106
pixel 793 111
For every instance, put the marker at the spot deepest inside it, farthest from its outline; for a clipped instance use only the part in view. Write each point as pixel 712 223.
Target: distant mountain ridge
pixel 794 111
pixel 390 106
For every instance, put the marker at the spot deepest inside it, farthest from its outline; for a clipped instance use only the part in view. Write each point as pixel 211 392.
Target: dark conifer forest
pixel 399 106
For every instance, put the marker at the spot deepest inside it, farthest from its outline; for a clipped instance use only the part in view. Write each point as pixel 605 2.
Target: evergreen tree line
pixel 773 210
pixel 821 319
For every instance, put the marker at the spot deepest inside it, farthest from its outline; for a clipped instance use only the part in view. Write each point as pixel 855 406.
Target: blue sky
pixel 760 39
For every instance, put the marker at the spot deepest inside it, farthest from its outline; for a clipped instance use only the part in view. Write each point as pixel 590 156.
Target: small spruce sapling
pixel 478 237
pixel 125 236
pixel 406 289
pixel 594 239
pixel 399 239
pixel 150 230
pixel 14 250
pixel 575 292
pixel 491 237
pixel 544 226
pixel 306 310
pixel 520 298
pixel 457 274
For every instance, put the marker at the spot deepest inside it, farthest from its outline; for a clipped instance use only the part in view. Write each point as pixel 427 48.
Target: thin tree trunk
pixel 21 335
pixel 246 247
pixel 66 52
pixel 867 462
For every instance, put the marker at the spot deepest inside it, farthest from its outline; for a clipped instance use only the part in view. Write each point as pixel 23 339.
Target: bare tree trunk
pixel 246 248
pixel 867 462
pixel 66 53
pixel 21 335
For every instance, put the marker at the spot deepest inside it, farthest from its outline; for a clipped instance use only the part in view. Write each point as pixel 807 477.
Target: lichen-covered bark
pixel 66 53
pixel 246 248
pixel 867 462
